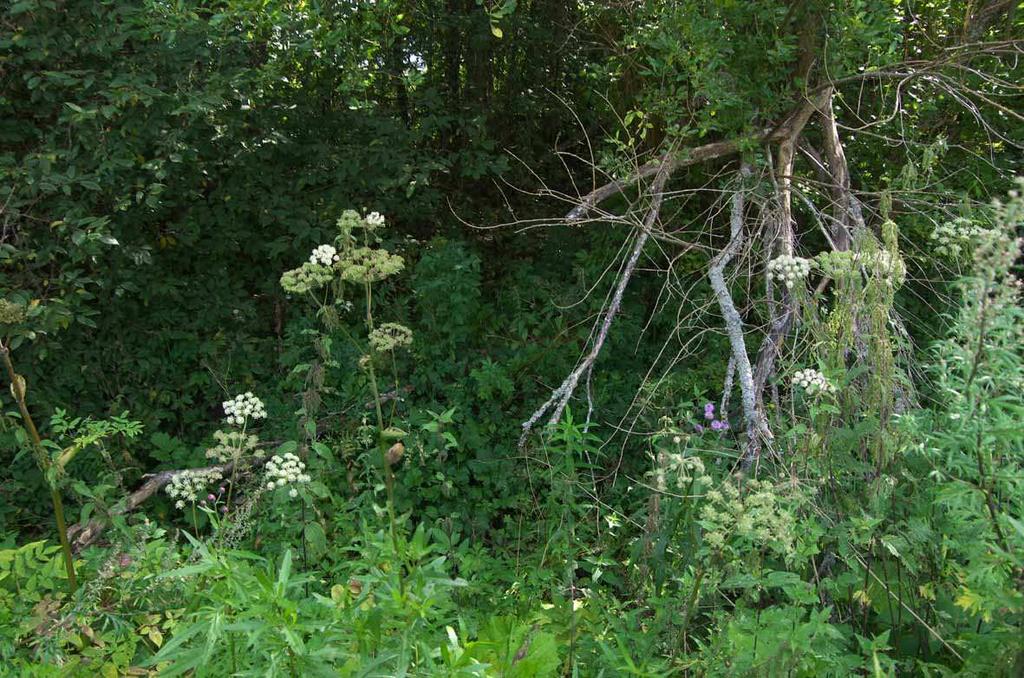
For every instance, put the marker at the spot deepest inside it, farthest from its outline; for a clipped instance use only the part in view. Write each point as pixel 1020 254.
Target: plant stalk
pixel 18 391
pixel 389 479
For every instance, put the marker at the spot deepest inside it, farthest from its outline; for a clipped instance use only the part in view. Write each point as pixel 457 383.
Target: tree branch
pixel 757 424
pixel 560 396
pixel 810 101
pixel 846 210
pixel 795 120
pixel 780 321
pixel 83 535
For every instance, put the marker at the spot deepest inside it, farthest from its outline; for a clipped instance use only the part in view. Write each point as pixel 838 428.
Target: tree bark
pixel 756 422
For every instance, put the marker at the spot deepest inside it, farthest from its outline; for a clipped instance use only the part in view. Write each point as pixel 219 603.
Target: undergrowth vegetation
pixel 277 408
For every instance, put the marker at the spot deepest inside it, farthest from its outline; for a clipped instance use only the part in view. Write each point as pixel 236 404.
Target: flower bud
pixel 394 453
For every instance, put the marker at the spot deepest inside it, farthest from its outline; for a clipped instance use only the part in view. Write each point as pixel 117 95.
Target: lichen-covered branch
pixel 756 423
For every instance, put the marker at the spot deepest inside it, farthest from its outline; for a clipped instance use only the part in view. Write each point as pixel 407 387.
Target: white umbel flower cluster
pixel 374 220
pixel 232 446
pixel 189 486
pixel 954 238
pixel 788 270
pixel 325 255
pixel 390 336
pixel 813 381
pixel 286 469
pixel 684 469
pixel 242 407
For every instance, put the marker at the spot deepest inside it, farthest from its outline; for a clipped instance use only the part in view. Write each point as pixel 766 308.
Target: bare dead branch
pixel 560 396
pixel 795 120
pixel 757 424
pixel 82 535
pixel 903 72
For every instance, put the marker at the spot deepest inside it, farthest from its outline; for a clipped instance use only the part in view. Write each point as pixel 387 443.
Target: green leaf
pixel 286 568
pixel 323 451
pixel 393 433
pixel 316 538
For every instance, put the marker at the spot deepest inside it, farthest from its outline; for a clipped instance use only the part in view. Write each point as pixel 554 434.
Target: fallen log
pixel 81 535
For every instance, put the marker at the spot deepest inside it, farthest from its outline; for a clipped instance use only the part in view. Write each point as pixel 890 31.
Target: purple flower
pixel 698 428
pixel 718 425
pixel 709 411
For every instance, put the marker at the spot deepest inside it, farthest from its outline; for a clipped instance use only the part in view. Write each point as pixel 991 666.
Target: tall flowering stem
pixel 18 391
pixel 352 260
pixel 231 483
pixel 370 369
pixel 239 411
pixel 389 476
